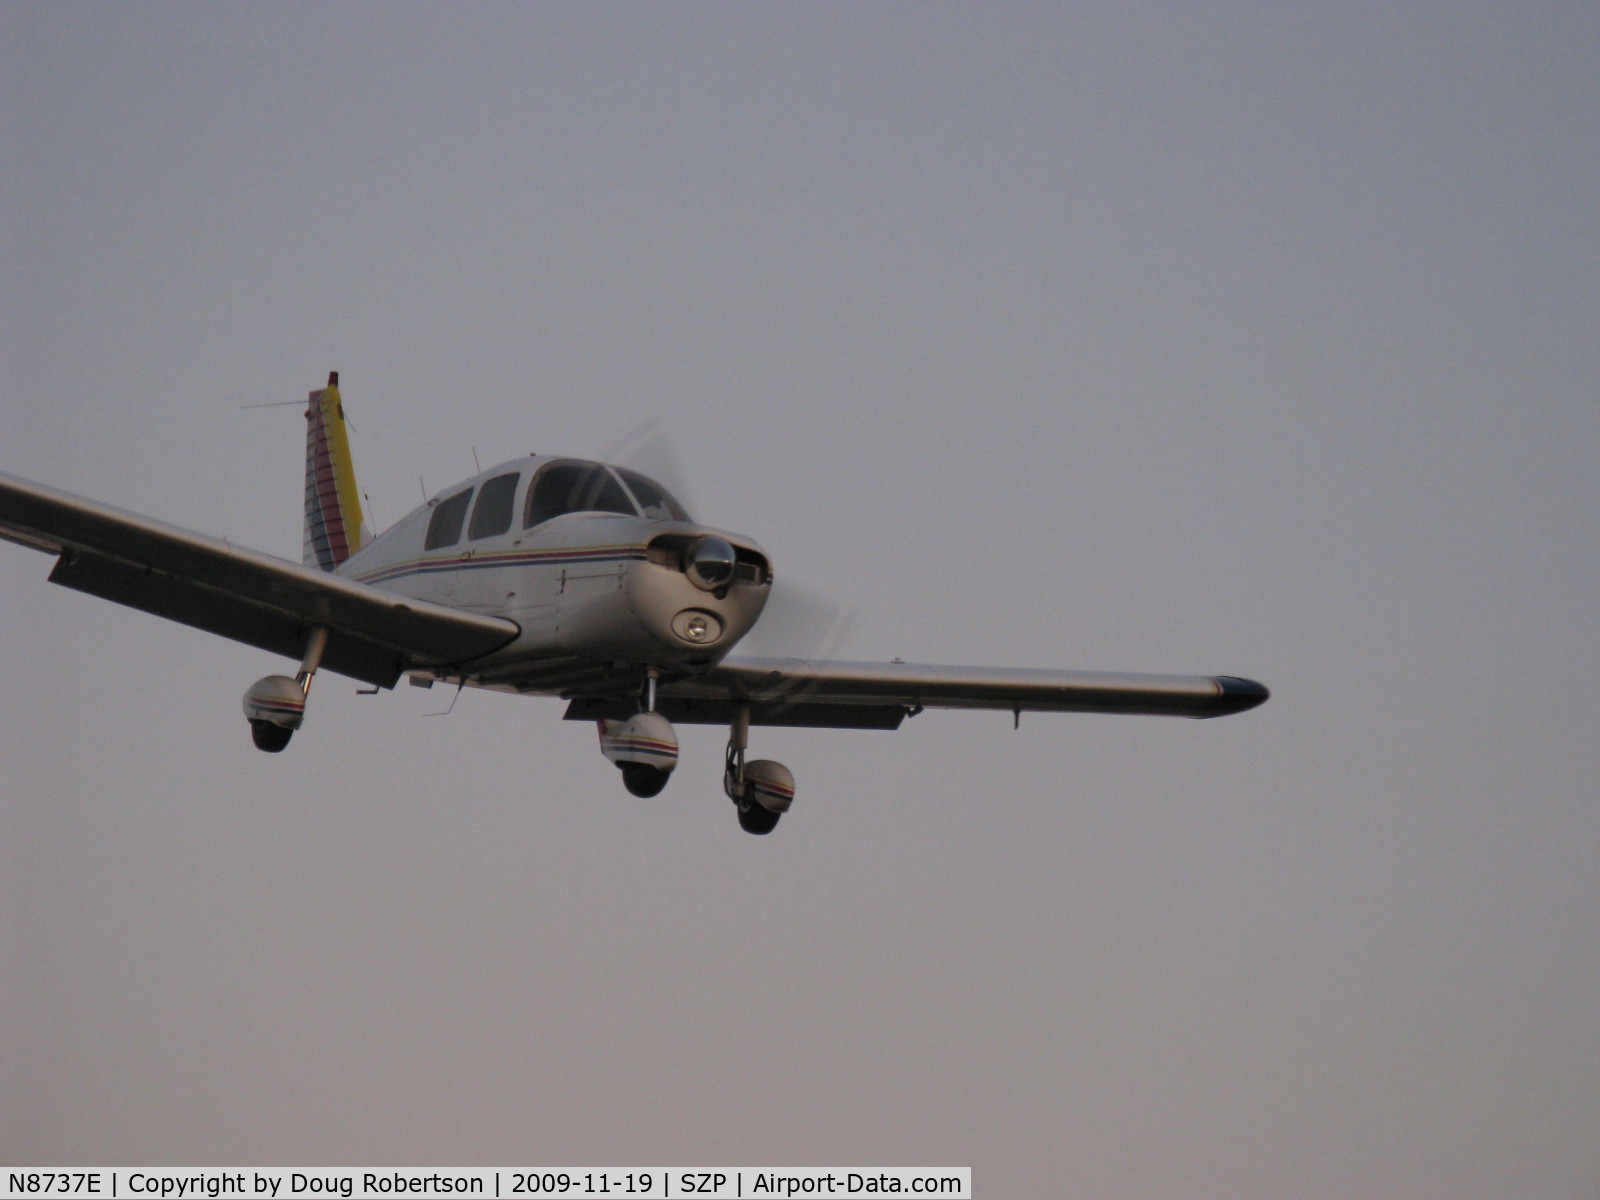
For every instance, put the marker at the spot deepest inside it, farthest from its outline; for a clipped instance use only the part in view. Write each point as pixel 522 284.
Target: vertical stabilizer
pixel 334 528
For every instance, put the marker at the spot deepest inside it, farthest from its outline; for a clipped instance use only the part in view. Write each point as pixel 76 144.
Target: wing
pixel 254 598
pixel 856 695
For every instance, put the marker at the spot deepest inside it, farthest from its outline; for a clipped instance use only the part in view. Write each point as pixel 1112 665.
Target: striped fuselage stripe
pixel 653 745
pixel 504 558
pixel 279 706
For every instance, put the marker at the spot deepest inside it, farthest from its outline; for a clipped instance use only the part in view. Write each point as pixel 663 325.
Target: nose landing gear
pixel 644 747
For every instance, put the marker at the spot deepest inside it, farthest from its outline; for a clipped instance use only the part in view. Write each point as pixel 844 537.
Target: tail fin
pixel 334 528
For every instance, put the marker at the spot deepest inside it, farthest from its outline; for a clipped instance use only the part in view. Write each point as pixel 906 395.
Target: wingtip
pixel 1238 695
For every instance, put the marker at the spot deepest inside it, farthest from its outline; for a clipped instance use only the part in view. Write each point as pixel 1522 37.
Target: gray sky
pixel 1256 340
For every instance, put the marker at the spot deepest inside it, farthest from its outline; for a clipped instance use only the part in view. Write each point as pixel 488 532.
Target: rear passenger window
pixel 493 514
pixel 444 527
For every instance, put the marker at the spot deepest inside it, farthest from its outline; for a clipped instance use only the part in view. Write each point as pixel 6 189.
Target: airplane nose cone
pixel 1237 695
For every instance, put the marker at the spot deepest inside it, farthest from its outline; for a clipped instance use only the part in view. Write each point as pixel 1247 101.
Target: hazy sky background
pixel 1257 340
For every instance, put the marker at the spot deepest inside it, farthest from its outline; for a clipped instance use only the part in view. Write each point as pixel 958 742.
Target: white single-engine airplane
pixel 549 576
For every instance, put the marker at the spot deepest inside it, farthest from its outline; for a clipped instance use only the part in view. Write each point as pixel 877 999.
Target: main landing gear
pixel 645 749
pixel 276 705
pixel 760 789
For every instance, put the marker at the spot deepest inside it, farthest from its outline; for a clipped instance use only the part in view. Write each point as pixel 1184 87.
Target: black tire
pixel 644 780
pixel 757 820
pixel 269 737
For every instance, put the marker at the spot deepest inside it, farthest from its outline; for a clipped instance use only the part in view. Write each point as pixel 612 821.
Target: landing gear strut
pixel 760 789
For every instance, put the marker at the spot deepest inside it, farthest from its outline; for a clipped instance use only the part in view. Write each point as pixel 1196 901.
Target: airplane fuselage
pixel 593 592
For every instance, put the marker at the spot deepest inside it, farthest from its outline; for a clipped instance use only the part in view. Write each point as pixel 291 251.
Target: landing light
pixel 700 628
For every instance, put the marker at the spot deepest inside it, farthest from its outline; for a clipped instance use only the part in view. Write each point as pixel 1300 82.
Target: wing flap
pixel 795 682
pixel 237 593
pixel 685 710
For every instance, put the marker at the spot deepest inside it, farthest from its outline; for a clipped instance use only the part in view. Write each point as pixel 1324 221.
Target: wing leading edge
pixel 918 685
pixel 241 594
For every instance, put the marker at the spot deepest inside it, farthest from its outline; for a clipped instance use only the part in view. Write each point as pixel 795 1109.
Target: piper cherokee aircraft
pixel 549 576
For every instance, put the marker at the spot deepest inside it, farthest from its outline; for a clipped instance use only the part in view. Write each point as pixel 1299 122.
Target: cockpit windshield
pixel 654 500
pixel 572 486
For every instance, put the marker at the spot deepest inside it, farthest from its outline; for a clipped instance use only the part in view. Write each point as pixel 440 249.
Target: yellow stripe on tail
pixel 334 526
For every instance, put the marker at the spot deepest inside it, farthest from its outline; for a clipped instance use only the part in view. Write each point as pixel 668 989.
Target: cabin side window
pixel 565 487
pixel 444 527
pixel 496 499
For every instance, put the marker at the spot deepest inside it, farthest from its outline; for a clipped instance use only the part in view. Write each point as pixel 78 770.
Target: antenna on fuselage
pixel 460 687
